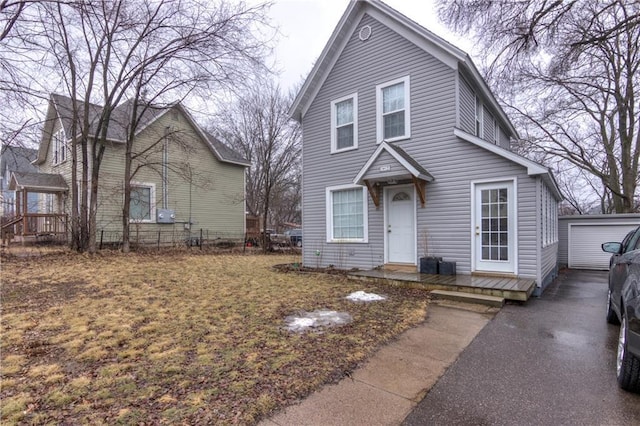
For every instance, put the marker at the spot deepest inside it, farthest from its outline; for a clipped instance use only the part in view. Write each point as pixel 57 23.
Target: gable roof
pixel 407 162
pixel 38 182
pixel 533 168
pixel 17 158
pixel 414 32
pixel 61 108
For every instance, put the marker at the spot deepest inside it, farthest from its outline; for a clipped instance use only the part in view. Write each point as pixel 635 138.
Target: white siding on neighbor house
pixel 444 224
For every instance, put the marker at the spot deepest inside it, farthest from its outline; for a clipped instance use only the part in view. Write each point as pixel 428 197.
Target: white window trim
pixel 329 214
pixel 407 109
pixel 334 121
pixel 59 147
pixel 514 212
pixel 549 226
pixel 479 117
pixel 152 202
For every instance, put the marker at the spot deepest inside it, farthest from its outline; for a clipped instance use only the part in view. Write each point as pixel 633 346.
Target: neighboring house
pixel 15 159
pixel 406 154
pixel 184 178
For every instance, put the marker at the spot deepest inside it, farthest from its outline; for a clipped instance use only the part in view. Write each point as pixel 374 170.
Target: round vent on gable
pixel 365 33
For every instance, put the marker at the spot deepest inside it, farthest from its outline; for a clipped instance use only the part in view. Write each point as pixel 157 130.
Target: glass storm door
pixel 494 227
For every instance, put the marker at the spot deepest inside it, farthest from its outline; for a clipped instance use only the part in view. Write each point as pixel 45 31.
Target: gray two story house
pixel 406 154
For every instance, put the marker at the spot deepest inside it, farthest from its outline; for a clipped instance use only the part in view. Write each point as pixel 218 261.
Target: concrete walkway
pixel 397 377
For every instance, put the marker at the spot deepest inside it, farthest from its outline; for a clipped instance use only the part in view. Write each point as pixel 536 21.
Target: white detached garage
pixel 581 237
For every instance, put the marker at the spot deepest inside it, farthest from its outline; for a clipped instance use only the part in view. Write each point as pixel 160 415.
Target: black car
pixel 623 307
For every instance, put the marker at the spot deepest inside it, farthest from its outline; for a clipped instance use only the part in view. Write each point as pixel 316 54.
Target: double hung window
pixel 393 110
pixel 344 123
pixel 59 147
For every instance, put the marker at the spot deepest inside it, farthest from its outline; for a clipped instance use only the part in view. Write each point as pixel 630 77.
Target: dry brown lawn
pixel 176 338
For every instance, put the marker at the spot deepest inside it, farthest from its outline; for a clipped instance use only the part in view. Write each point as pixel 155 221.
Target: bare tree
pixel 258 126
pixel 109 52
pixel 569 70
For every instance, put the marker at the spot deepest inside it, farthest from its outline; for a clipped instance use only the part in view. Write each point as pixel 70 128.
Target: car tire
pixel 612 318
pixel 627 365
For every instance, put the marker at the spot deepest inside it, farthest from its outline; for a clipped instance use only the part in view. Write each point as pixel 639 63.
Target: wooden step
pixel 461 296
pixel 400 267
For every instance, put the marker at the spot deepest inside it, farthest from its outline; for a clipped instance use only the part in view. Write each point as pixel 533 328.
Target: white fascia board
pixel 488 94
pixel 410 30
pixel 320 69
pixel 384 146
pixel 533 168
pixel 421 37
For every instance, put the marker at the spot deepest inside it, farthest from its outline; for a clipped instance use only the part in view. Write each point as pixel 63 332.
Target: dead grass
pixel 176 338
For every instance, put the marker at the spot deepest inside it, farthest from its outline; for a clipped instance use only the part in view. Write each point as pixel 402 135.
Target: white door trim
pixel 514 213
pixel 386 220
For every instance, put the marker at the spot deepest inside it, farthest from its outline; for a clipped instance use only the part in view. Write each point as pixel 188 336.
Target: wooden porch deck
pixel 509 288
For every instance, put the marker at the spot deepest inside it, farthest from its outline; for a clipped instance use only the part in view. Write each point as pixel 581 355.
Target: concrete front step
pixel 460 296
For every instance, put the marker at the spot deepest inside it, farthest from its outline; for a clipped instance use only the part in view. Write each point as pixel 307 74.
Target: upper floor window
pixel 142 202
pixel 393 118
pixel 478 117
pixel 344 123
pixel 59 147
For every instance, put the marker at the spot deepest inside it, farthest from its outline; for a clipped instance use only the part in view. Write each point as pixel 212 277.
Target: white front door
pixel 494 227
pixel 400 241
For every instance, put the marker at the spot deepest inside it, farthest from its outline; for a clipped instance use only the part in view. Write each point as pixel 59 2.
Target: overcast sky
pixel 306 25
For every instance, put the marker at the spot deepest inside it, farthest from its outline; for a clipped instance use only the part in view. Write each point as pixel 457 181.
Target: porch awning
pixel 389 165
pixel 37 182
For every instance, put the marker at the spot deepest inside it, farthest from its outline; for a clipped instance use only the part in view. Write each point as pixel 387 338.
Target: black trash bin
pixel 447 268
pixel 429 265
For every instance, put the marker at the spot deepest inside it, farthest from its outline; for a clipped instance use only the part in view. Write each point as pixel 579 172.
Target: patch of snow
pixel 361 296
pixel 316 319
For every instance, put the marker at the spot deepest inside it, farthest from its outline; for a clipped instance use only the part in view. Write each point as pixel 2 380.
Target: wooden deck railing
pixel 36 224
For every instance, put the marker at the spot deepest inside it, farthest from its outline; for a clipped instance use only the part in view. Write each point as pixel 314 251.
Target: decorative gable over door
pixel 391 165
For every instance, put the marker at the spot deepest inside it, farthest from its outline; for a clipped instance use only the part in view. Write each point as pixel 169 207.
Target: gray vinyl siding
pixel 549 255
pixel 467 108
pixel 489 126
pixel 384 159
pixel 445 222
pixel 563 241
pixel 504 139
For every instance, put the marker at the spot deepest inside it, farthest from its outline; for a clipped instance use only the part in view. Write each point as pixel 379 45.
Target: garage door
pixel 585 241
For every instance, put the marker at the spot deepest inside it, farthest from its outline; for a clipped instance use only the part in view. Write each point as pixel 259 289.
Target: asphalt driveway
pixel 549 361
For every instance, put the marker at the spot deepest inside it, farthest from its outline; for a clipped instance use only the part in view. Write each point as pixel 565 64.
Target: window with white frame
pixel 549 215
pixel 59 147
pixel 478 117
pixel 344 123
pixel 347 214
pixel 393 118
pixel 142 203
